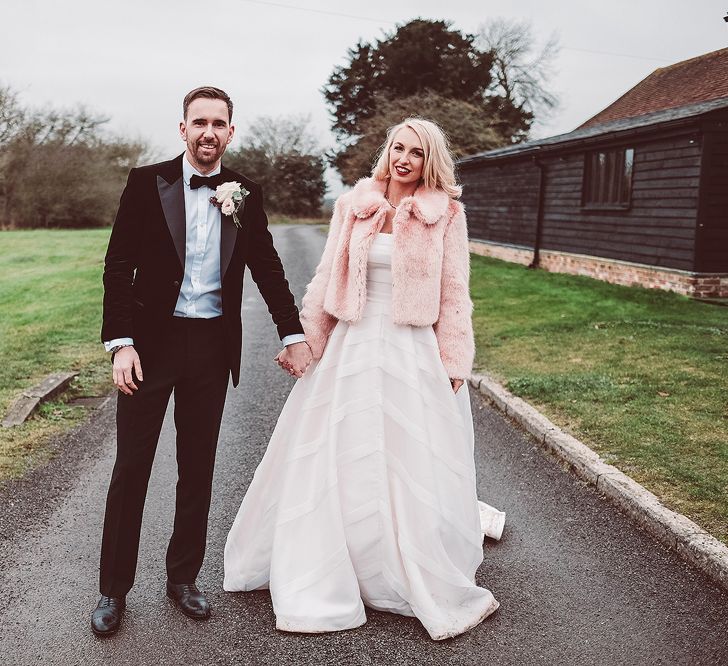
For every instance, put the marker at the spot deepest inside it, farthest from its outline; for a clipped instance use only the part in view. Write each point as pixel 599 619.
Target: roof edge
pixel 654 120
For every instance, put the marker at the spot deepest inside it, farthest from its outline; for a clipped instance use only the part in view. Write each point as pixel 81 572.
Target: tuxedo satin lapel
pixel 228 236
pixel 172 197
pixel 228 230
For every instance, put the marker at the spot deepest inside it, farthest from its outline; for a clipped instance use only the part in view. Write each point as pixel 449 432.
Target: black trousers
pixel 191 363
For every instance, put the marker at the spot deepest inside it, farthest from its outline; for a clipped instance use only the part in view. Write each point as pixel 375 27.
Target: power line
pixel 619 55
pixel 374 20
pixel 319 11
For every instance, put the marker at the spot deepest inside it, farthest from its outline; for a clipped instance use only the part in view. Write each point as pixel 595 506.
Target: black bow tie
pixel 210 181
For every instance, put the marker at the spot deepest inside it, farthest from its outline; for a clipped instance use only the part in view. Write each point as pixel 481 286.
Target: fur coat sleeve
pixel 317 323
pixel 454 327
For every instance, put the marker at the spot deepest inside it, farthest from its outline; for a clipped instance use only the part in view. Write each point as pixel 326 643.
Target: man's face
pixel 207 132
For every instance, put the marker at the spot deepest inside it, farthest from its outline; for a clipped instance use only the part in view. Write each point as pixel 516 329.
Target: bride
pixel 366 494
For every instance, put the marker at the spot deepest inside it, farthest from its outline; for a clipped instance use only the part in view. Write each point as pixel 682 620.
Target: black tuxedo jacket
pixel 144 264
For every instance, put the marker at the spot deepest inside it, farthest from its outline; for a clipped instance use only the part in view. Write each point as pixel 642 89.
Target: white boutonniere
pixel 230 198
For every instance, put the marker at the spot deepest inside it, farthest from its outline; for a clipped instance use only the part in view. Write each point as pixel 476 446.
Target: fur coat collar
pixel 427 205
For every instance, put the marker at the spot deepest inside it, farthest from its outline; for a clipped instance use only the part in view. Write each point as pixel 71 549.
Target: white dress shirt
pixel 200 296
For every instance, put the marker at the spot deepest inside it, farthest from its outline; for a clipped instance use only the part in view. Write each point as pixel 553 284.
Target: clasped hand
pixel 295 358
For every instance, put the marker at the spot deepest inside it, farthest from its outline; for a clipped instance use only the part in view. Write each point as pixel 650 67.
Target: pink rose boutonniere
pixel 230 198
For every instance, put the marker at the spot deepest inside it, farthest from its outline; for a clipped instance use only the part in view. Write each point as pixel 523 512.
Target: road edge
pixel 677 532
pixel 29 498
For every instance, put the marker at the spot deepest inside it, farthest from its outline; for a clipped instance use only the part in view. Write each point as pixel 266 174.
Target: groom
pixel 173 282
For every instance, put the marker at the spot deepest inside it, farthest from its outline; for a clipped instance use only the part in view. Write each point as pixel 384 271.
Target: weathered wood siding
pixel 711 253
pixel 501 202
pixel 657 229
pixel 659 226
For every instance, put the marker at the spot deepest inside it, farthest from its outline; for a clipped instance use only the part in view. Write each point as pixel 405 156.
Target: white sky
pixel 134 60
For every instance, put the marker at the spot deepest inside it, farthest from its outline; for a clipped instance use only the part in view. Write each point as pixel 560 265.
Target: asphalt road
pixel 577 581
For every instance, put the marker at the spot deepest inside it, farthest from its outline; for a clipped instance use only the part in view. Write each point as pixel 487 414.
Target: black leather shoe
pixel 189 600
pixel 106 618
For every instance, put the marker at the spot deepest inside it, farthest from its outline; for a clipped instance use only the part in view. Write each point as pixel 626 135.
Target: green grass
pixel 640 375
pixel 50 319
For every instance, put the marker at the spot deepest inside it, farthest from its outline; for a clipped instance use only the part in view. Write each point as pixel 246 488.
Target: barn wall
pixel 712 243
pixel 501 201
pixel 659 226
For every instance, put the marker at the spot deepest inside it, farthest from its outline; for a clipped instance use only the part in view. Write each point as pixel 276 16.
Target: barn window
pixel 608 178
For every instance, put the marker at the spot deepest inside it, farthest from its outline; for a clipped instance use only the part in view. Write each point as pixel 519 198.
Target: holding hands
pixel 295 358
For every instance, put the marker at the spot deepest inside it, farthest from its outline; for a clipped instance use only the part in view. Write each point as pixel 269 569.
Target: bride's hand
pixel 281 359
pixel 295 359
pixel 456 384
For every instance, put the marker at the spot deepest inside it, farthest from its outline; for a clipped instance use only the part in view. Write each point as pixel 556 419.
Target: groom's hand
pixel 295 358
pixel 127 360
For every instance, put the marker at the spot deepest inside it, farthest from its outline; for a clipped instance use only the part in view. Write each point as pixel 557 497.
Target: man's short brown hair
pixel 208 92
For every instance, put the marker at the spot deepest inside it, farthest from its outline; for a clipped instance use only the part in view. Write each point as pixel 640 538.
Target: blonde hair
pixel 438 170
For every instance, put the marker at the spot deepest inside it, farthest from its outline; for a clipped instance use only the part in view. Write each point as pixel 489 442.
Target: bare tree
pixel 11 114
pixel 281 135
pixel 521 71
pixel 62 126
pixel 60 168
pixel 283 155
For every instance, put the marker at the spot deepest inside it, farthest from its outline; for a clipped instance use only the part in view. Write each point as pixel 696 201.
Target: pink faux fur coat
pixel 430 270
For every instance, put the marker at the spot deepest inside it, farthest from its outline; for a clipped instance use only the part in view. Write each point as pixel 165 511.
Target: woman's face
pixel 406 157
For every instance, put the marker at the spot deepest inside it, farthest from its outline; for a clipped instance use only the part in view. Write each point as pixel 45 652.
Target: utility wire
pixel 380 21
pixel 319 11
pixel 619 55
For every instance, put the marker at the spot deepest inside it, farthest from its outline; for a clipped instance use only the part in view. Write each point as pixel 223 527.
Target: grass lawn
pixel 50 320
pixel 639 375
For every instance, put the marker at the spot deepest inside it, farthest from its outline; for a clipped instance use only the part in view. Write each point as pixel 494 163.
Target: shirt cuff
pixel 108 346
pixel 293 339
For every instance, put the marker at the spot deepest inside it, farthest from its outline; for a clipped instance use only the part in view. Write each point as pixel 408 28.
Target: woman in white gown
pixel 366 494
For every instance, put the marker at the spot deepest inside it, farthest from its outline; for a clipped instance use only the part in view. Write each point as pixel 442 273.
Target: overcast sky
pixel 134 60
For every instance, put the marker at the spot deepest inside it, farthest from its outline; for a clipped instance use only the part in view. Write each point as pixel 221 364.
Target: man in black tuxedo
pixel 173 282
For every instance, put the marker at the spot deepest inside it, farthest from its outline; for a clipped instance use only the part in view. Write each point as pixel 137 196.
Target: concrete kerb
pixel 674 530
pixel 51 386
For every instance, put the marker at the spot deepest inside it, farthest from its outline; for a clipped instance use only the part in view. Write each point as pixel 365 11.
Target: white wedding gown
pixel 366 494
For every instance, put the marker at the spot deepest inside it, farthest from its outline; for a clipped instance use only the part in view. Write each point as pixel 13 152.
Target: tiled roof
pixel 699 79
pixel 612 127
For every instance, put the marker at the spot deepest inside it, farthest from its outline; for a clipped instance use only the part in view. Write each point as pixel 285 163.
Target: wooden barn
pixel 637 195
